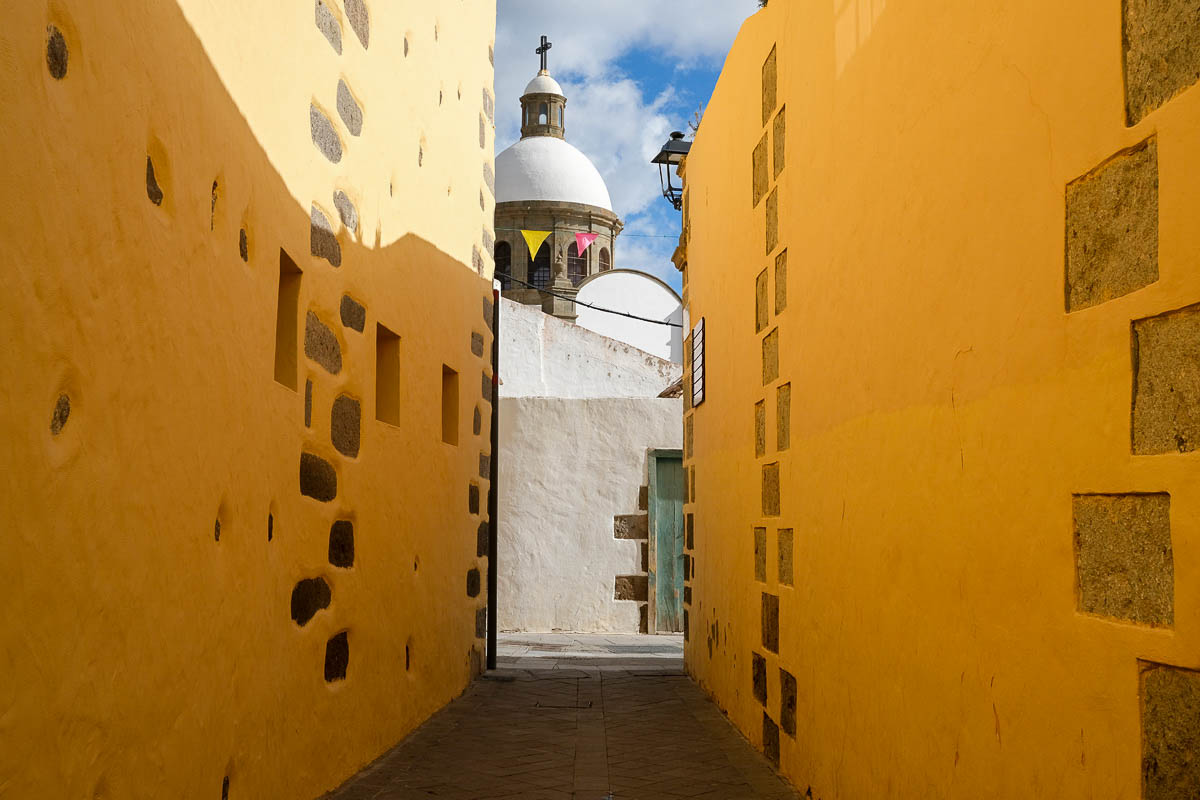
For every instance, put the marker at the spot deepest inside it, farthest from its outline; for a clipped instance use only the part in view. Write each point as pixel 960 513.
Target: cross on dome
pixel 544 50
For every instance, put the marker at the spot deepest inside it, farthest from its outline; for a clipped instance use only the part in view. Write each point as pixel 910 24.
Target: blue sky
pixel 632 74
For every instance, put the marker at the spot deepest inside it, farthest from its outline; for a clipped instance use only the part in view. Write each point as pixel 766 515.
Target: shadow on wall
pixel 186 490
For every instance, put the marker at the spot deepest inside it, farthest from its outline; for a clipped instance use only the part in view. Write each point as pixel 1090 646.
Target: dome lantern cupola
pixel 543 183
pixel 543 104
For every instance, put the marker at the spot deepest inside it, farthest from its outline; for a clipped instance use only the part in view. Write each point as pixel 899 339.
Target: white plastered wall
pixel 543 356
pixel 568 466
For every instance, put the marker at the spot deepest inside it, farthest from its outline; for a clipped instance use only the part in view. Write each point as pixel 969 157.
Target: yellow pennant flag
pixel 534 239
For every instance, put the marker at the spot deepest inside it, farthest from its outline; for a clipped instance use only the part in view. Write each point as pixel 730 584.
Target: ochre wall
pixel 946 407
pixel 143 656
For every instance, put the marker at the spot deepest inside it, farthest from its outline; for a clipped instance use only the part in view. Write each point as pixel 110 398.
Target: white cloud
pixel 619 120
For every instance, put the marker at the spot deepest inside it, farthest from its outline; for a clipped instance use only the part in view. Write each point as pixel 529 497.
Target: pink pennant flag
pixel 584 240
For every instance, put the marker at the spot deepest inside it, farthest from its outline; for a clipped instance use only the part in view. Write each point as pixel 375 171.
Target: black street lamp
pixel 668 160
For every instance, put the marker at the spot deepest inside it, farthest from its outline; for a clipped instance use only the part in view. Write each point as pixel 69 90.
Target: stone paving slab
pixel 545 729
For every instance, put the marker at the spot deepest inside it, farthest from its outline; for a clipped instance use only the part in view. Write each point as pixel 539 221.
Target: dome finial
pixel 543 51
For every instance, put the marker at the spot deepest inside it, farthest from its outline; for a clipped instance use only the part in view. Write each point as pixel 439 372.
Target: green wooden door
pixel 668 537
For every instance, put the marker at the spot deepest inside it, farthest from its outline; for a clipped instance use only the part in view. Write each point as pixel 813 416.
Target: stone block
pixel 778 140
pixel 308 597
pixel 770 739
pixel 318 479
pixel 787 702
pixel 1166 383
pixel 57 54
pixel 761 171
pixel 631 526
pixel 308 389
pixel 760 554
pixel 354 315
pixel 1112 228
pixel 341 544
pixel 473 498
pixel 770 490
pixel 644 618
pixel 762 308
pixel 360 20
pixel 489 178
pixel 489 310
pixel 770 357
pixel 1170 732
pixel 60 415
pixel 481 539
pixel 689 430
pixel 692 480
pixel 153 190
pixel 477 422
pixel 630 587
pixel 323 134
pixel 477 344
pixel 350 112
pixel 643 498
pixel 781 282
pixel 687 595
pixel 1124 561
pixel 321 345
pixel 645 547
pixel 772 238
pixel 485 387
pixel 485 466
pixel 783 417
pixel 1162 53
pixel 322 241
pixel 760 429
pixel 758 677
pixel 489 106
pixel 329 26
pixel 786 567
pixel 345 422
pixel 686 626
pixel 770 78
pixel 473 582
pixel 337 657
pixel 481 621
pixel 690 527
pixel 243 245
pixel 347 211
pixel 770 622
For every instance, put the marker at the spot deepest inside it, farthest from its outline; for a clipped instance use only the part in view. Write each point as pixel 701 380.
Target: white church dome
pixel 543 84
pixel 548 168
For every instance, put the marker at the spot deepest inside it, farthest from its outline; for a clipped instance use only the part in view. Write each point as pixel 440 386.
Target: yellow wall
pixel 945 406
pixel 143 657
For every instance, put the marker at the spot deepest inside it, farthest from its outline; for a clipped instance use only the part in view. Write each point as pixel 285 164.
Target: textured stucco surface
pixel 143 656
pixel 567 468
pixel 542 356
pixel 945 405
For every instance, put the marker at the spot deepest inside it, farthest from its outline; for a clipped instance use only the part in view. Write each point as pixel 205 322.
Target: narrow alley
pixel 575 716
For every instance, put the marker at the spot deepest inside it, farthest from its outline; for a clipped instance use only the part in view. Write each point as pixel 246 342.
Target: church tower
pixel 543 183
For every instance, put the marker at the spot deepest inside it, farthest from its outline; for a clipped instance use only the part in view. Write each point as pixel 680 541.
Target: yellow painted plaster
pixel 141 657
pixel 944 405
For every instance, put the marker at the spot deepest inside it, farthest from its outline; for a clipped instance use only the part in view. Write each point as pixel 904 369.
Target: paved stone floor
pixel 593 717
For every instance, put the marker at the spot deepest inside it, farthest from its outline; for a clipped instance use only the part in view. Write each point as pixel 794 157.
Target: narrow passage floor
pixel 593 717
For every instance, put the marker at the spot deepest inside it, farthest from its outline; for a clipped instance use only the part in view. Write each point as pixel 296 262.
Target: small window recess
pixel 387 376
